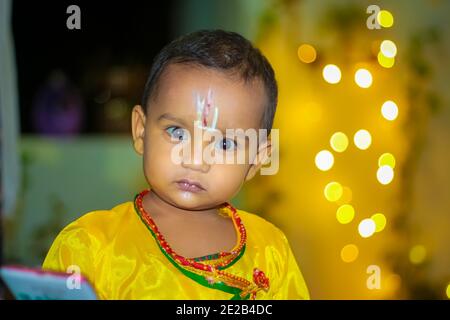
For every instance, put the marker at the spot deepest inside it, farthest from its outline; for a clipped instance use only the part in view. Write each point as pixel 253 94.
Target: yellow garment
pixel 117 253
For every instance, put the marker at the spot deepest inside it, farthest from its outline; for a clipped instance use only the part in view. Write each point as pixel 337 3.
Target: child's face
pixel 195 185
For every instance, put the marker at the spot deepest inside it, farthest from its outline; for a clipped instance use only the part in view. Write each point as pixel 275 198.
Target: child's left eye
pixel 226 144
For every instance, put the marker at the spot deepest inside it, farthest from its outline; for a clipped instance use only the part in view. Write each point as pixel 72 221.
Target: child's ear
pixel 138 128
pixel 264 152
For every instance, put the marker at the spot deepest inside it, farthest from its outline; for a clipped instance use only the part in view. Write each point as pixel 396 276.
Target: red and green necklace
pixel 209 270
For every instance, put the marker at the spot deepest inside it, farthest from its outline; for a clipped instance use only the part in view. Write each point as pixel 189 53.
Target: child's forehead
pixel 183 87
pixel 177 78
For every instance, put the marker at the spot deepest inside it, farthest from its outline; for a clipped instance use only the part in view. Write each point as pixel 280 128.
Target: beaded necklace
pixel 209 270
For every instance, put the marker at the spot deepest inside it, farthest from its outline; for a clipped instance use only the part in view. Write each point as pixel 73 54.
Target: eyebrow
pixel 168 116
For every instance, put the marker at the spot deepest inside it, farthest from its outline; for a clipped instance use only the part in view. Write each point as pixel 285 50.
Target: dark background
pixel 112 35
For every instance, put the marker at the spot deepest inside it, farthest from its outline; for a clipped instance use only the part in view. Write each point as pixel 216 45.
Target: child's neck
pixel 191 233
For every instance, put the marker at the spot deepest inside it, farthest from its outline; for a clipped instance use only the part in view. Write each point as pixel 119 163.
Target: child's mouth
pixel 190 186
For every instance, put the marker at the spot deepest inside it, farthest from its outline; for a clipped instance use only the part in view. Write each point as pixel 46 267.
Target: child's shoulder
pixel 101 215
pixel 257 226
pixel 100 223
pixel 80 241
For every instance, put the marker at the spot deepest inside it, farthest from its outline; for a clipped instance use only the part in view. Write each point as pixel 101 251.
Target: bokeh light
pixel 389 110
pixel 388 48
pixel 385 174
pixel 385 19
pixel 363 78
pixel 386 159
pixel 333 191
pixel 331 73
pixel 345 213
pixel 324 160
pixel 380 221
pixel 366 228
pixel 349 253
pixel 307 53
pixel 339 142
pixel 417 254
pixel 362 139
pixel 448 291
pixel 385 61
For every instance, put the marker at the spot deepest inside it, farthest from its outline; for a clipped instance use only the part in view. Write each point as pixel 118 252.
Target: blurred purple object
pixel 58 108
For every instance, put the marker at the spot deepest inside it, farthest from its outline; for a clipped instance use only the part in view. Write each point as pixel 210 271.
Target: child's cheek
pixel 229 176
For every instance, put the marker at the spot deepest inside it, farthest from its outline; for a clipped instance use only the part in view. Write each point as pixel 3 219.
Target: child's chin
pixel 189 201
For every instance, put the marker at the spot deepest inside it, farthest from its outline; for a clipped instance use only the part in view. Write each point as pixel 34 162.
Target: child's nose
pixel 195 161
pixel 200 166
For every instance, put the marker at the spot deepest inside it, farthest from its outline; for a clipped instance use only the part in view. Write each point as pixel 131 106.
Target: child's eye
pixel 226 144
pixel 177 133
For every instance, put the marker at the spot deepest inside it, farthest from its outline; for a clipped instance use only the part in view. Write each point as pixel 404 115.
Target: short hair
pixel 225 51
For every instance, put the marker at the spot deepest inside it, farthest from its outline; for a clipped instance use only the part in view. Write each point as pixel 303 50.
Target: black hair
pixel 225 51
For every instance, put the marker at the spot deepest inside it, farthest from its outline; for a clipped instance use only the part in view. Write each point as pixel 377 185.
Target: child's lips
pixel 190 186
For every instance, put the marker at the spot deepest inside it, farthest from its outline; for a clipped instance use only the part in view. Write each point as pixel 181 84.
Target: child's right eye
pixel 177 133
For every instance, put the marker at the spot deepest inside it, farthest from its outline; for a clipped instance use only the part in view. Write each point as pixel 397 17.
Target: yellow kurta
pixel 117 253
